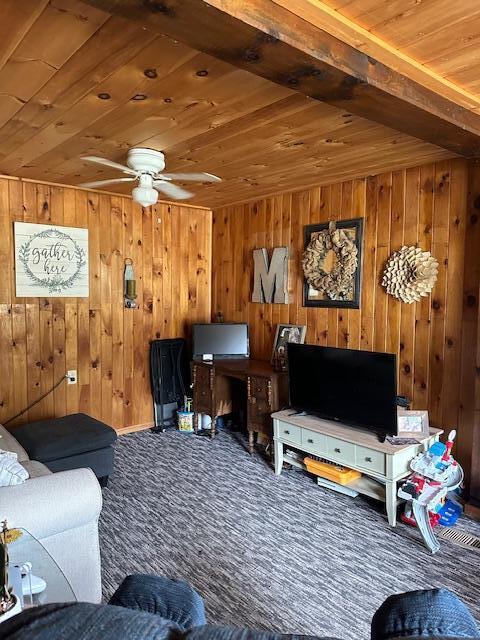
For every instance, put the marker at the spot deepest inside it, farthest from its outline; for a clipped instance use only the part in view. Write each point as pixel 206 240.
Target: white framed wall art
pixel 50 261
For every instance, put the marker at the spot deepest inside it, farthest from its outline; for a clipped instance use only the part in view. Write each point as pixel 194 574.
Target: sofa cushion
pixel 48 440
pixel 36 469
pixel 9 443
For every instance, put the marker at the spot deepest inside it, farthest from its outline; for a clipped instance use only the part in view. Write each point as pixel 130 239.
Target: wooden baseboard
pixel 472 510
pixel 121 431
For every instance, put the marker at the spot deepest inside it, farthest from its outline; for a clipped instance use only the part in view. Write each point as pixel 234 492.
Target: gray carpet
pixel 266 552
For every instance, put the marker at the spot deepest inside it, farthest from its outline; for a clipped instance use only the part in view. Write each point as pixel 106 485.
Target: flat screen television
pixel 358 388
pixel 221 340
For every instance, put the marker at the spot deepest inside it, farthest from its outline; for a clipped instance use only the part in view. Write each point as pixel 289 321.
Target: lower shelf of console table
pixel 382 464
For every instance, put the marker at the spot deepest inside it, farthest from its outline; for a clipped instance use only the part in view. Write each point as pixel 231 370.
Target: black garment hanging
pixel 170 379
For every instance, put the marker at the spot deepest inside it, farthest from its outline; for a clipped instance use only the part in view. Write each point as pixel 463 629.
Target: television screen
pixel 358 388
pixel 223 339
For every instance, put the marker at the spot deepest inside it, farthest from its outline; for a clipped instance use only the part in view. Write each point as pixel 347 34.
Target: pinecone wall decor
pixel 409 274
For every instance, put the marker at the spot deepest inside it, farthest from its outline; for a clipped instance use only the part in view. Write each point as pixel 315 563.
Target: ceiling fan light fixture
pixel 146 165
pixel 146 196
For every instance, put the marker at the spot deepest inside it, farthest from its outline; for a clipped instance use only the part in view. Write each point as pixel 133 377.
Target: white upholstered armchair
pixel 61 510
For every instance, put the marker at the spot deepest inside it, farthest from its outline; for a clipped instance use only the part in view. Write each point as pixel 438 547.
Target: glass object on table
pixel 28 551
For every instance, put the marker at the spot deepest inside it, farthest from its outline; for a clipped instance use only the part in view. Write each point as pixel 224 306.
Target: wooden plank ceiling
pixel 271 41
pixel 440 34
pixel 76 80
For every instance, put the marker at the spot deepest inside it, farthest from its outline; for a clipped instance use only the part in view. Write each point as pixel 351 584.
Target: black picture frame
pixel 356 226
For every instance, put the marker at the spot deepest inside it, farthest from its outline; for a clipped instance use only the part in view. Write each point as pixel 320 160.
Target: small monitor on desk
pixel 220 340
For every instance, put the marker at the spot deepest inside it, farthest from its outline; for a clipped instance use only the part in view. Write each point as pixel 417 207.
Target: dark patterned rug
pixel 265 552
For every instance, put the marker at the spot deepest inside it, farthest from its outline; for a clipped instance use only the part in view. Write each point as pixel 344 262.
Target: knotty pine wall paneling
pixel 469 421
pixel 41 338
pixel 423 205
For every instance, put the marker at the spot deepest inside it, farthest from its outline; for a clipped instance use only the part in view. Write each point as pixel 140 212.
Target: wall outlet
pixel 72 376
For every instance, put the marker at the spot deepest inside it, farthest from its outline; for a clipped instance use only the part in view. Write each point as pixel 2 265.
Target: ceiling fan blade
pixel 171 190
pixel 109 163
pixel 194 177
pixel 100 183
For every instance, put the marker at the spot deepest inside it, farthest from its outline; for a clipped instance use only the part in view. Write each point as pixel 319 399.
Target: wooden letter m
pixel 270 284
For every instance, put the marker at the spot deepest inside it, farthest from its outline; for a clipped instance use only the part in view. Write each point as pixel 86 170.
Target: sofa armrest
pixel 54 503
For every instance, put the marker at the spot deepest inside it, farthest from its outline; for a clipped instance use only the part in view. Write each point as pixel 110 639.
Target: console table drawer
pixel 314 440
pixel 370 459
pixel 341 451
pixel 290 432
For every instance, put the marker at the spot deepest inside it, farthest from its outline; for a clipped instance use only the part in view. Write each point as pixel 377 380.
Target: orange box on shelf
pixel 333 472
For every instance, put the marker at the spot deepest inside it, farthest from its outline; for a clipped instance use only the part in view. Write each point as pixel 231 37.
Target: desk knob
pixel 337 450
pixel 368 459
pixel 287 432
pixel 310 440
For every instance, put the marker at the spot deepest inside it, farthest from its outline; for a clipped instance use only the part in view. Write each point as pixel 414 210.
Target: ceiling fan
pixel 145 166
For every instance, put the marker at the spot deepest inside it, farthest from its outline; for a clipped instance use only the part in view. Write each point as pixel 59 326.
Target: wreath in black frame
pixel 337 284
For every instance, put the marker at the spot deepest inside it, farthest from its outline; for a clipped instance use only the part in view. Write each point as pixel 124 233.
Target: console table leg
pixel 213 428
pixel 196 421
pixel 278 448
pixel 391 502
pixel 251 442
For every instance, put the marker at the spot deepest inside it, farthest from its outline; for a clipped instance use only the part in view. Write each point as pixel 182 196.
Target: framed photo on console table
pixel 332 264
pixel 412 424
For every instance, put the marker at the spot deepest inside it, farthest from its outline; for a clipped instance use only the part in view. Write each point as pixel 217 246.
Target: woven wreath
pixel 337 284
pixel 410 274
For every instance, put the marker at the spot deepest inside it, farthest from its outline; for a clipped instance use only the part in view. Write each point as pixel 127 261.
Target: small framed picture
pixel 413 424
pixel 286 333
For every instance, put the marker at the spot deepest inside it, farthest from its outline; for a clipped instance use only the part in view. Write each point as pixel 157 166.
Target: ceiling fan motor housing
pixel 146 160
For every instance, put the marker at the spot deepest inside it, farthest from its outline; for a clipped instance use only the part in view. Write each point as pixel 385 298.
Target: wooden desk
pixel 212 392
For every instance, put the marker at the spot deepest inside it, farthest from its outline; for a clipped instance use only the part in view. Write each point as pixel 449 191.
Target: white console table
pixel 382 464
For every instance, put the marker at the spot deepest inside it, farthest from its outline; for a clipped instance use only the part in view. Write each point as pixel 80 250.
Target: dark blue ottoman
pixel 71 442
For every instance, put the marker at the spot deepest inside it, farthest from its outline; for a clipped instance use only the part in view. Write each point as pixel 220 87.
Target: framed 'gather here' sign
pixel 51 261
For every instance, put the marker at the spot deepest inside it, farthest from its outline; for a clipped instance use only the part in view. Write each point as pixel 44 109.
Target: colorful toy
pixel 449 513
pixel 333 472
pixel 435 473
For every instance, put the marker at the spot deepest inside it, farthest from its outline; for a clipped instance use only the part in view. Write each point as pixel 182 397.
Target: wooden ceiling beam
pixel 270 41
pixel 325 17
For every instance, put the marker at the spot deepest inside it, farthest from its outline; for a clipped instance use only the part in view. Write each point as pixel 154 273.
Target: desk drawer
pixel 258 416
pixel 202 392
pixel 315 441
pixel 260 388
pixel 370 459
pixel 290 432
pixel 341 451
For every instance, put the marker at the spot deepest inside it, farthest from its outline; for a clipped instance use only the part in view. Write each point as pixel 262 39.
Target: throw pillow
pixel 11 471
